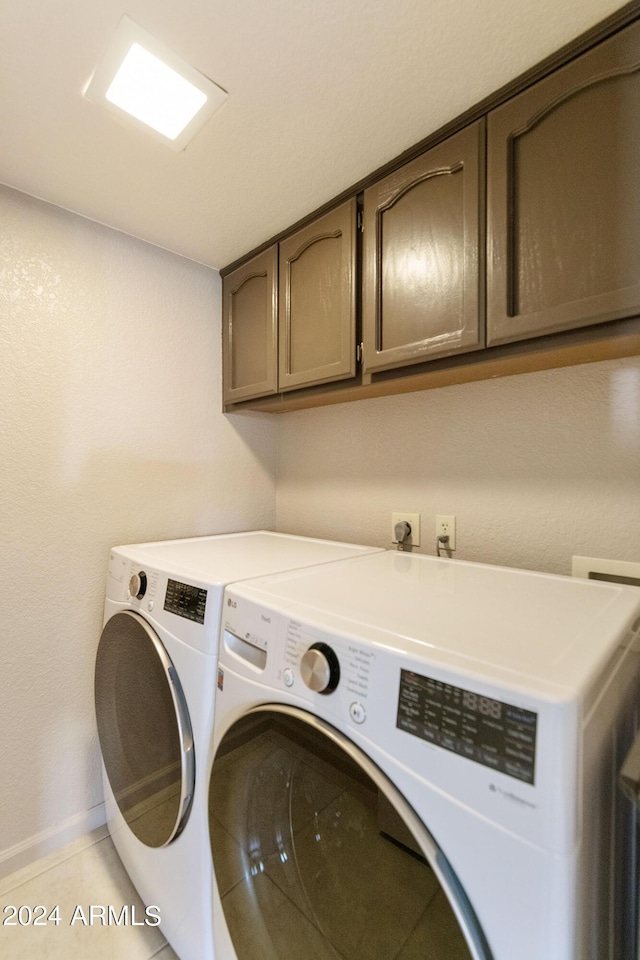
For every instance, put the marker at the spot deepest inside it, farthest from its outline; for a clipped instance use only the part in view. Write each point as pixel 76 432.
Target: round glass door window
pixel 144 730
pixel 313 857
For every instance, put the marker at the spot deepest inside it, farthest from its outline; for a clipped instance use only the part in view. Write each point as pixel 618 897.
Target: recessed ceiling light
pixel 140 80
pixel 150 90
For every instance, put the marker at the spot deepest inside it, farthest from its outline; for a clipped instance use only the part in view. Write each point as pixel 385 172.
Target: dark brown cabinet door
pixel 423 243
pixel 564 197
pixel 317 315
pixel 249 328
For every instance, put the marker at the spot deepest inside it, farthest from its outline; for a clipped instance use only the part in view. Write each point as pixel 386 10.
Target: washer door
pixel 316 853
pixel 144 729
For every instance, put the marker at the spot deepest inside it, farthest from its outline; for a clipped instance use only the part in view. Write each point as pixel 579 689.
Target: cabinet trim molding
pixel 335 235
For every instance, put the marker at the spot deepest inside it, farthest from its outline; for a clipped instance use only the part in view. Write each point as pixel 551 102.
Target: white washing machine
pixel 154 693
pixel 415 759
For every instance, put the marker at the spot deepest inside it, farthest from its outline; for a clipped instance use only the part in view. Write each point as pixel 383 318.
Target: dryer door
pixel 144 729
pixel 316 854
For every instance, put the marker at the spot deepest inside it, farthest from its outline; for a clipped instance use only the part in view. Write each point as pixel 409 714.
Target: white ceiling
pixel 321 93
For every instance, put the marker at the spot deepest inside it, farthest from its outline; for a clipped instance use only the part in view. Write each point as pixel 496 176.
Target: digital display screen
pixel 490 732
pixel 185 601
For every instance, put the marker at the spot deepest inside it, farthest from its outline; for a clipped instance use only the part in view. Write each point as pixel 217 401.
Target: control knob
pixel 320 668
pixel 138 585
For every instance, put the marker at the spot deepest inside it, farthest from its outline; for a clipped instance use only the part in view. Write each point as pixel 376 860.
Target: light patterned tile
pixel 9 881
pixel 165 953
pixel 94 876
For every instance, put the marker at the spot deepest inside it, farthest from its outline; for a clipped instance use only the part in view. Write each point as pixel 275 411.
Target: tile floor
pixel 86 872
pixel 341 891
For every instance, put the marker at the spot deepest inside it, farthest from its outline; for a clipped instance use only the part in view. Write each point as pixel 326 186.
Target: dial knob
pixel 138 585
pixel 320 668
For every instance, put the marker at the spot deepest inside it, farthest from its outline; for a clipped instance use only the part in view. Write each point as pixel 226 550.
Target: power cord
pixel 444 542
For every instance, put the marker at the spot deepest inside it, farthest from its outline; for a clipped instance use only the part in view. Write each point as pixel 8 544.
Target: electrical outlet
pixel 413 519
pixel 446 527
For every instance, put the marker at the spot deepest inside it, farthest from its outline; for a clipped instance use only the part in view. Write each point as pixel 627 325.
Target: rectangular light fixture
pixel 140 80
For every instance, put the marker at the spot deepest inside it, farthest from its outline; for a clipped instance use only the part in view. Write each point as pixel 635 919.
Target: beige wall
pixel 110 432
pixel 535 468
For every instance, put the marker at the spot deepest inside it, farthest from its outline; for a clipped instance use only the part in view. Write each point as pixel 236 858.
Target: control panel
pixel 493 748
pixel 350 679
pixel 491 732
pixel 334 667
pixel 292 655
pixel 185 600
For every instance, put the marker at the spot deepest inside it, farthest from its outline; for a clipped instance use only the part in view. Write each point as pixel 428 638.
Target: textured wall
pixel 535 467
pixel 110 432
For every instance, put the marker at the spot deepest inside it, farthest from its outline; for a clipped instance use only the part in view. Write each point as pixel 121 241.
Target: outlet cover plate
pixel 446 525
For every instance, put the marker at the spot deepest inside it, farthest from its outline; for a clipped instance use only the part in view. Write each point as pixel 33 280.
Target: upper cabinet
pixel 249 331
pixel 317 312
pixel 423 253
pixel 495 249
pixel 306 335
pixel 564 197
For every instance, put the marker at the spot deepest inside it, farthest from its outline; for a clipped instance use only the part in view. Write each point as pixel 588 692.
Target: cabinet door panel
pixel 422 249
pixel 249 328
pixel 564 197
pixel 421 259
pixel 317 301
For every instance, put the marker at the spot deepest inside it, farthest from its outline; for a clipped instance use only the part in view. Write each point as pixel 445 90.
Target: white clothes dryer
pixel 154 693
pixel 415 759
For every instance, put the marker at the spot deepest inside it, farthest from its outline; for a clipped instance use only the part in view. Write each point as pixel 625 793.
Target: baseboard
pixel 49 841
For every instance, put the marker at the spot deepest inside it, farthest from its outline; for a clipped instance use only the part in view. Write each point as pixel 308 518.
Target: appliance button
pixel 357 712
pixel 287 676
